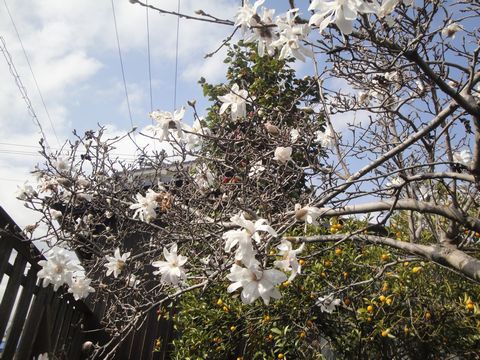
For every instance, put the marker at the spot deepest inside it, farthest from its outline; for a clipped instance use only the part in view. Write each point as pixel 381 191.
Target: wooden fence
pixel 35 320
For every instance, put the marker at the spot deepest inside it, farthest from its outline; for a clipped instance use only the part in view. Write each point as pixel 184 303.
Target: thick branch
pixel 406 204
pixel 448 257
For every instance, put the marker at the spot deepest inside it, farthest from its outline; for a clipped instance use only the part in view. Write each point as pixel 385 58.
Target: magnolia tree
pixel 384 131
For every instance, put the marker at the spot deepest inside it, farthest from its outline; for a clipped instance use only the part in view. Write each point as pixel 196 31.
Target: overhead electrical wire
pixel 176 59
pixel 149 60
pixel 21 87
pixel 31 71
pixel 121 64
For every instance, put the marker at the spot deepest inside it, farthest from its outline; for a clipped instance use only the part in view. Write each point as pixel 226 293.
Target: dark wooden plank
pixel 138 339
pixel 11 293
pixel 20 314
pixel 150 335
pixel 5 251
pixel 32 324
pixel 57 324
pixel 71 329
pixel 78 338
pixel 61 341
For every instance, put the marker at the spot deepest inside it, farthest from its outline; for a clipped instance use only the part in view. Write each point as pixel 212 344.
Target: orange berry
pixel 389 301
pixel 233 328
pixel 338 251
pixel 385 257
pixel 385 333
pixel 302 334
pixel 219 302
pixel 416 269
pixel 470 306
pixel 347 301
pixel 370 308
pixel 281 356
pixel 301 262
pixel 382 298
pixel 428 316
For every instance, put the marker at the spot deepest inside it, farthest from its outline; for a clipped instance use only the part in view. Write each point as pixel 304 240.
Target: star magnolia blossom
pixel 289 261
pixel 172 269
pixel 309 214
pixel 263 34
pixel 324 138
pixel 283 154
pixel 24 192
pixel 80 288
pixel 291 37
pixel 246 15
pixel 204 178
pixel 116 263
pixel 193 138
pixel 145 206
pixel 328 304
pixel 341 12
pixel 243 237
pixel 255 282
pixel 463 157
pixel 451 29
pixel 236 100
pixel 58 269
pixel 166 121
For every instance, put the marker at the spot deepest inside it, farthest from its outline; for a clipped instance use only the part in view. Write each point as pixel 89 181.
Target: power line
pixel 121 64
pixel 149 60
pixel 21 87
pixel 31 71
pixel 176 59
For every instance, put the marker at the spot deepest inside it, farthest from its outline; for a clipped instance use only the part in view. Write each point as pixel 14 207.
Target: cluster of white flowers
pixel 283 32
pixel 328 303
pixel 171 123
pixel 288 34
pixel 247 273
pixel 145 206
pixel 172 270
pixel 61 269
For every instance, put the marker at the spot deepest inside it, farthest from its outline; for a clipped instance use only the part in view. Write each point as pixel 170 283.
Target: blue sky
pixel 72 48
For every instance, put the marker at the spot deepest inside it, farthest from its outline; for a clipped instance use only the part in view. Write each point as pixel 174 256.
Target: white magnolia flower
pixel 328 304
pixel 80 288
pixel 283 154
pixel 193 138
pixel 451 29
pixel 387 7
pixel 289 260
pixel 58 269
pixel 463 157
pixel 145 206
pixel 308 214
pixel 116 263
pixel 62 165
pixel 172 269
pixel 82 182
pixel 43 356
pixel 395 181
pixel 294 135
pixel 25 191
pixel 256 169
pixel 47 184
pixel 204 178
pixel 263 33
pixel 166 121
pixel 324 138
pixel 55 214
pixel 245 251
pixel 253 228
pixel 255 282
pixel 236 100
pixel 245 17
pixel 291 37
pixel 341 12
